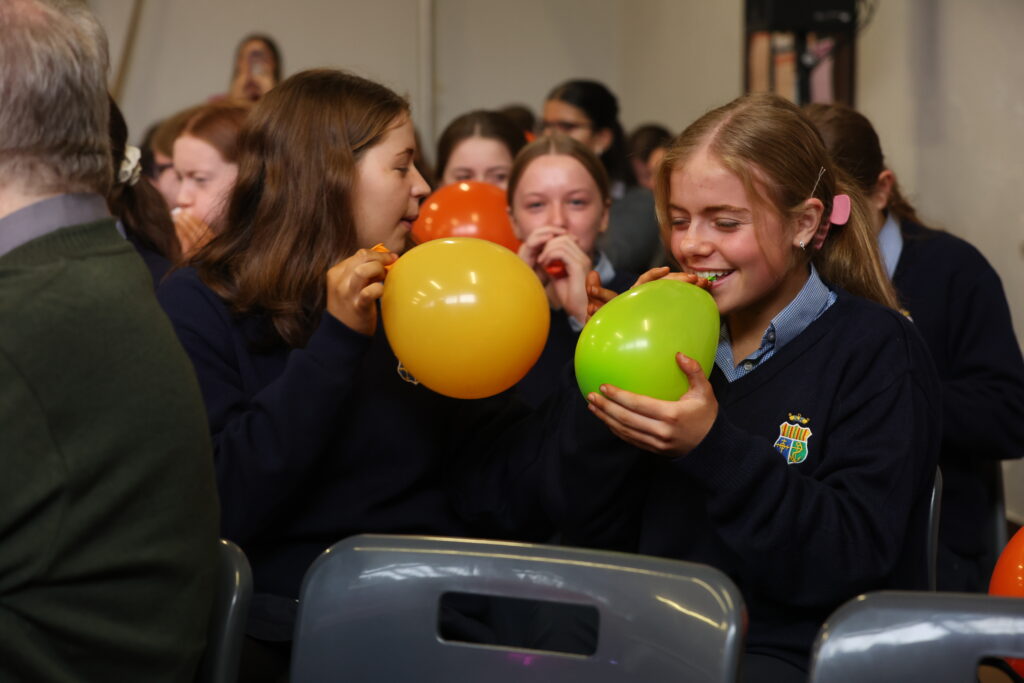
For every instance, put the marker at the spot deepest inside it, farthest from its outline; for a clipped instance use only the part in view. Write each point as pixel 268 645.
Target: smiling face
pixel 556 190
pixel 206 179
pixel 478 158
pixel 388 189
pixel 719 232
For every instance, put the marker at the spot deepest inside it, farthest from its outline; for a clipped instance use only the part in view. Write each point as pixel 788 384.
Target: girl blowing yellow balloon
pixel 317 433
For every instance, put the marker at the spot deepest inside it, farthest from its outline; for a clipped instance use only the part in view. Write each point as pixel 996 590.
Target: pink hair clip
pixel 840 210
pixel 839 216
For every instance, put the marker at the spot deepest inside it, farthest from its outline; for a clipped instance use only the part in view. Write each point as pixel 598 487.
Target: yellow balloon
pixel 466 317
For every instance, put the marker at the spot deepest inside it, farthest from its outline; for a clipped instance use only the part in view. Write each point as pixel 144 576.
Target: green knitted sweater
pixel 108 509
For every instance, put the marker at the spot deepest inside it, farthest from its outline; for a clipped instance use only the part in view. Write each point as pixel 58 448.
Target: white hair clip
pixel 130 170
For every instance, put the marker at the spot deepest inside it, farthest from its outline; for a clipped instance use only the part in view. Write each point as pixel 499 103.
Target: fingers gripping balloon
pixel 466 317
pixel 632 341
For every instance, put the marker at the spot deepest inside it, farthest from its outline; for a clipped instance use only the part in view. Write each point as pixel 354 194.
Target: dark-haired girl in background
pixel 957 303
pixel 589 111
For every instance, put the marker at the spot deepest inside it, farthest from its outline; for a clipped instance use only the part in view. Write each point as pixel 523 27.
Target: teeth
pixel 713 274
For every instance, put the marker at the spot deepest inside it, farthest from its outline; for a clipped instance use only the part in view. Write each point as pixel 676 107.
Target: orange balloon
pixel 466 209
pixel 1008 579
pixel 467 318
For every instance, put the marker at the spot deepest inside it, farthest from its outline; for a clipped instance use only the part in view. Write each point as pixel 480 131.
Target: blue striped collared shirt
pixel 890 243
pixel 806 307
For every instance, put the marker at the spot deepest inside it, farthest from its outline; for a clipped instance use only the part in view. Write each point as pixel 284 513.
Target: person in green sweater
pixel 109 521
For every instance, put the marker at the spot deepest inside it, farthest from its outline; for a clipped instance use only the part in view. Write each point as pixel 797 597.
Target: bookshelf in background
pixel 803 50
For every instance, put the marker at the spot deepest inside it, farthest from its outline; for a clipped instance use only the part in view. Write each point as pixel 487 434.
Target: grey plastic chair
pixel 227 619
pixel 896 636
pixel 368 611
pixel 934 518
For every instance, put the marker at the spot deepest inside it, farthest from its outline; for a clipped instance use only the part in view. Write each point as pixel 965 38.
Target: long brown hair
pixel 290 217
pixel 853 143
pixel 779 157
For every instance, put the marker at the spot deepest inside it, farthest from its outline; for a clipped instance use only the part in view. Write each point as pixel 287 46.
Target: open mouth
pixel 711 276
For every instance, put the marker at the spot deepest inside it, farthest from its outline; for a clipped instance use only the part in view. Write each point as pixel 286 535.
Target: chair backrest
pixel 227 618
pixel 934 515
pixel 891 636
pixel 369 608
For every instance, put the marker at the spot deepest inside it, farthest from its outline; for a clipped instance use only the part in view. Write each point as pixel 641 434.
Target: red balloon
pixel 466 209
pixel 1008 579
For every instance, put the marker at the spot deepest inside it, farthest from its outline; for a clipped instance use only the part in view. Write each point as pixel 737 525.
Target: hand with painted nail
pixel 671 428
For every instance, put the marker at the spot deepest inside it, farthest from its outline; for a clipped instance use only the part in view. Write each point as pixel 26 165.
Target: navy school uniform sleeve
pixel 957 301
pixel 851 516
pixel 264 442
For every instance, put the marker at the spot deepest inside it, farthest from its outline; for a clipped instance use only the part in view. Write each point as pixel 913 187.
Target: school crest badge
pixel 793 436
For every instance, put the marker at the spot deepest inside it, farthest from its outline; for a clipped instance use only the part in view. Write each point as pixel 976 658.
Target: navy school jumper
pixel 316 444
pixel 957 302
pixel 856 402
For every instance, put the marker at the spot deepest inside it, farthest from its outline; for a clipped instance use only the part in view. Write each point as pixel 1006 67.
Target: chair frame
pixel 897 636
pixel 658 618
pixel 228 616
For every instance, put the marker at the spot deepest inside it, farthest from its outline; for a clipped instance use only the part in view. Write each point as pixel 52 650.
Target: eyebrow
pixel 409 152
pixel 712 209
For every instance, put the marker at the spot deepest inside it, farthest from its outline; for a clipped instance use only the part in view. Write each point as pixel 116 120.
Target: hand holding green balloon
pixel 632 341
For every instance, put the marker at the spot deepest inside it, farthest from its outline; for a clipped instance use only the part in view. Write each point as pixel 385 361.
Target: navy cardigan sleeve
pixel 958 303
pixel 263 443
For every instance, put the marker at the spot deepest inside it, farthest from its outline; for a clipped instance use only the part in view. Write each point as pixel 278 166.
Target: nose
pixel 185 194
pixel 420 188
pixel 556 215
pixel 691 243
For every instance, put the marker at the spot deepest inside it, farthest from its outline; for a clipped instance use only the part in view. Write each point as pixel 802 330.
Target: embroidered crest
pixel 793 436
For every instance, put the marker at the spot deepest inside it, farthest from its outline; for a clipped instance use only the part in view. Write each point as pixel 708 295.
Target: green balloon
pixel 631 342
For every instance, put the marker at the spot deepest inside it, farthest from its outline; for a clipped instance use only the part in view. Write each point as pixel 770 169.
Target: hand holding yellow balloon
pixel 466 317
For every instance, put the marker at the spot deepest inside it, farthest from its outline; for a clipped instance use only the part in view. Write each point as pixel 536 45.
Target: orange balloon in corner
pixel 466 209
pixel 466 317
pixel 1008 579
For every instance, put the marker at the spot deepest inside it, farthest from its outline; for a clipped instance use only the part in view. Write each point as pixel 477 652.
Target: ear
pixel 879 197
pixel 808 223
pixel 605 216
pixel 601 141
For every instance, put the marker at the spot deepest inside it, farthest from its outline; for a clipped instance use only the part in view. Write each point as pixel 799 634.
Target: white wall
pixel 680 59
pixel 490 53
pixel 184 50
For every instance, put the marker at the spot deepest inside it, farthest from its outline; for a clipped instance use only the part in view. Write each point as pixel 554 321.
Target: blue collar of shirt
pixel 807 306
pixel 47 215
pixel 606 270
pixel 890 243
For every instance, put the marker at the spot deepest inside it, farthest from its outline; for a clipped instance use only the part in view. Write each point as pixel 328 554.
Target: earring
pixel 803 245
